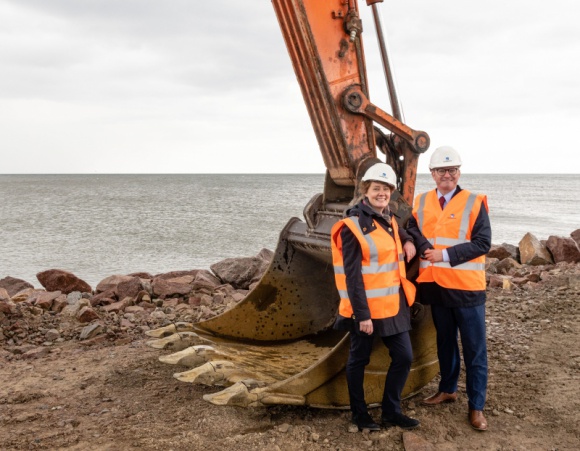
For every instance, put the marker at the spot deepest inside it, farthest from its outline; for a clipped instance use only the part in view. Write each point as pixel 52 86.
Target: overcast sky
pixel 192 86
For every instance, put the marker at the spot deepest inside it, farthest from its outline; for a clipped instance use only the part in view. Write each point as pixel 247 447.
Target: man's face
pixel 446 178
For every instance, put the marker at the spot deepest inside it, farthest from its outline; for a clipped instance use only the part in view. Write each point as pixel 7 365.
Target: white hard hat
pixel 381 172
pixel 444 157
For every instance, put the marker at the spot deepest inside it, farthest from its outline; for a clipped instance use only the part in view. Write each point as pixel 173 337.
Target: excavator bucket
pixel 277 345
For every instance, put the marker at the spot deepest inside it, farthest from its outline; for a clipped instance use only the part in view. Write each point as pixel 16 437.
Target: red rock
pixel 13 285
pixel 64 281
pixel 7 306
pixel 36 353
pixel 174 274
pixel 170 302
pixel 45 299
pixel 171 287
pixel 59 303
pixel 103 298
pixel 87 314
pixel 205 280
pixel 563 249
pixel 117 306
pixel 4 296
pixel 110 283
pixel 576 236
pixel 129 288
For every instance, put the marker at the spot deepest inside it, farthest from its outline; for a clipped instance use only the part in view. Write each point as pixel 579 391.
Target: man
pixel 456 235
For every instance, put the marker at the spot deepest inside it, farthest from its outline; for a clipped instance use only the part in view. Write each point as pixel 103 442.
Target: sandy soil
pixel 114 394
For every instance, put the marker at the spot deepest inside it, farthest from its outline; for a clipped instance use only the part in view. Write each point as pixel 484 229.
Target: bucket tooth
pixel 218 372
pixel 238 394
pixel 170 330
pixel 177 341
pixel 193 356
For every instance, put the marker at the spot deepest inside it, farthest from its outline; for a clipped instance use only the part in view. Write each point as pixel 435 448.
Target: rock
pixel 532 252
pixel 35 353
pixel 14 285
pixel 4 296
pixel 205 280
pixel 64 281
pixel 24 295
pixel 238 272
pixel 104 298
pixel 7 306
pixel 507 266
pixel 129 288
pixel 86 314
pixel 118 306
pixel 563 249
pixel 52 335
pixel 172 287
pixel 90 331
pixel 491 264
pixel 576 236
pixel 110 283
pixel 45 299
pixel 141 275
pixel 412 442
pixel 502 251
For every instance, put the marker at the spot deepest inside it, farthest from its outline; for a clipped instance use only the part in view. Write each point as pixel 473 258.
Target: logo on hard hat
pixel 447 158
pixel 384 174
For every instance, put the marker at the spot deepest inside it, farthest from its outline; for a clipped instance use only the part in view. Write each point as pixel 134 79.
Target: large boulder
pixel 176 286
pixel 576 236
pixel 238 272
pixel 64 281
pixel 502 251
pixel 532 252
pixel 112 282
pixel 129 288
pixel 14 285
pixel 563 249
pixel 205 280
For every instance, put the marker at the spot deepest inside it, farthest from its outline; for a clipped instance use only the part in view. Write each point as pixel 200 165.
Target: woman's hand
pixel 410 251
pixel 366 326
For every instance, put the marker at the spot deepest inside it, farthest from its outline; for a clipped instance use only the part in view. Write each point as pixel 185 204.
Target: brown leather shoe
pixel 477 420
pixel 439 398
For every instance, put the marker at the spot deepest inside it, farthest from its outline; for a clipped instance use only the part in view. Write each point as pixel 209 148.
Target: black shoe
pixel 365 421
pixel 398 419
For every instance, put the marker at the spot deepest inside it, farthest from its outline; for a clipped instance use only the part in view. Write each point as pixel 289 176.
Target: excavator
pixel 277 345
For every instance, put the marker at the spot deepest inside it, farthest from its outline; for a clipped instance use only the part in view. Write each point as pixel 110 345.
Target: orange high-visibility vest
pixel 383 269
pixel 446 228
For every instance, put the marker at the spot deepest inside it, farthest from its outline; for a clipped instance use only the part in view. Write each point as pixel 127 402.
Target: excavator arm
pixel 277 345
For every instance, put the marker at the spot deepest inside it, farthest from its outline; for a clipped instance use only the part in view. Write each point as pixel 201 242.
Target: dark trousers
pixel 401 354
pixel 470 322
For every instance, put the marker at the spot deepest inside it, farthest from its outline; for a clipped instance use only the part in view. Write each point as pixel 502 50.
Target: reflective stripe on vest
pixel 434 222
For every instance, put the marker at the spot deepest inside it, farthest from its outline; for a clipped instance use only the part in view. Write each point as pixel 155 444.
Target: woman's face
pixel 379 195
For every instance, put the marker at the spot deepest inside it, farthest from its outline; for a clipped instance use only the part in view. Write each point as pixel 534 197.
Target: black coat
pixel 352 259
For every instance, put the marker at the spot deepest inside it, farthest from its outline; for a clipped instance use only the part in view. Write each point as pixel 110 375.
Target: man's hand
pixel 366 326
pixel 433 255
pixel 410 251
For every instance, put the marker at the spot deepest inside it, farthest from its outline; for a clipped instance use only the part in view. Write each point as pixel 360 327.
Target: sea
pixel 99 225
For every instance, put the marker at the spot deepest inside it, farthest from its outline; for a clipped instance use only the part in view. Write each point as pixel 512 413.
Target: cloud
pixel 182 86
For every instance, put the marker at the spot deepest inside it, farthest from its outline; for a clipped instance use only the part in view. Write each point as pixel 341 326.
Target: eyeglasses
pixel 442 171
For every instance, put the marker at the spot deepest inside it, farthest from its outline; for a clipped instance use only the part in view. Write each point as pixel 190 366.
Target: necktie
pixel 442 201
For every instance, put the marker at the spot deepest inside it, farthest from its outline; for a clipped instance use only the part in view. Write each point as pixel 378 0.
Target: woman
pixel 367 250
